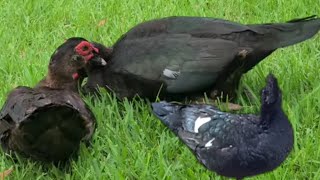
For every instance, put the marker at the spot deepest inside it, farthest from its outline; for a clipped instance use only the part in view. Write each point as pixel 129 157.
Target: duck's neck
pixel 273 116
pixel 54 81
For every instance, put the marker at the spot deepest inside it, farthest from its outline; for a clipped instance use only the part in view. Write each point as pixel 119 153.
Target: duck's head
pixel 104 52
pixel 271 93
pixel 71 58
pixel 67 64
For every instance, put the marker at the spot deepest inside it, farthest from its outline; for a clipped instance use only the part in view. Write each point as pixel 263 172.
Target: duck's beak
pixel 97 61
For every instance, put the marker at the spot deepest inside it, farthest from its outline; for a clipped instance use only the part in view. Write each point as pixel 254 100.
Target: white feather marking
pixel 209 143
pixel 199 122
pixel 103 62
pixel 171 74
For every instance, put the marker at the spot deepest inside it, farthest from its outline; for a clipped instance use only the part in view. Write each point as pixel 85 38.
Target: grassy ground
pixel 130 143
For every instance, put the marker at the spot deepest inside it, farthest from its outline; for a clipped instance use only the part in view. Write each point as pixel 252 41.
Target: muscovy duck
pixel 49 121
pixel 233 145
pixel 178 57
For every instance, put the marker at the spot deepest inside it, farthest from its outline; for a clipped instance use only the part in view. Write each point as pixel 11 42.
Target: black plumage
pixel 233 145
pixel 187 56
pixel 48 122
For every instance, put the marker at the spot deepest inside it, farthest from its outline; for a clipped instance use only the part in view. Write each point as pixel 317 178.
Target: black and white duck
pixel 233 145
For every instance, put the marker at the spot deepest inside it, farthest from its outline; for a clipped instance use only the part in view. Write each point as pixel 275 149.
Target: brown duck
pixel 49 121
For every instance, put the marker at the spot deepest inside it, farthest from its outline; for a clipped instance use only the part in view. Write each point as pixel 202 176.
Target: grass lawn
pixel 130 143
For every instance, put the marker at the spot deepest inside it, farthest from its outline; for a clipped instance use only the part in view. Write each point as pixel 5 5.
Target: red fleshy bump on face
pixel 95 49
pixel 75 76
pixel 85 49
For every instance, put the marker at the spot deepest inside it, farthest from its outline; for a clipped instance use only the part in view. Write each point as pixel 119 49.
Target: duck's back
pixel 183 25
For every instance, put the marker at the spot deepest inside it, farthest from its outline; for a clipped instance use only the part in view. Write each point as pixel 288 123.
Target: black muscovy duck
pixel 178 57
pixel 233 145
pixel 49 121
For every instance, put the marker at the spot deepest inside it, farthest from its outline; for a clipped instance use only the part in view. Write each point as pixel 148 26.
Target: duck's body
pixel 192 55
pixel 233 145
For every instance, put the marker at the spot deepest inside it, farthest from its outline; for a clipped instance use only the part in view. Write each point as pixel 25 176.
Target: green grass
pixel 130 143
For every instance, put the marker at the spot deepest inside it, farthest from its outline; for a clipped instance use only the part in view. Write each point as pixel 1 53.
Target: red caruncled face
pixel 86 49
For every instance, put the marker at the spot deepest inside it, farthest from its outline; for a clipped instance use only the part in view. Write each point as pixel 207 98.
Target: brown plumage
pixel 48 122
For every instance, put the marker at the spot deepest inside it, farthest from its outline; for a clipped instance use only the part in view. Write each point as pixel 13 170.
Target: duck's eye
pixel 85 48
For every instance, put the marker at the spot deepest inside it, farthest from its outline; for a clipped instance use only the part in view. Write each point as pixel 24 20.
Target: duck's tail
pixel 278 35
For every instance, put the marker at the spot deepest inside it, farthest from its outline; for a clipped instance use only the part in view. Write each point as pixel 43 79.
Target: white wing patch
pixel 209 143
pixel 103 62
pixel 199 122
pixel 171 74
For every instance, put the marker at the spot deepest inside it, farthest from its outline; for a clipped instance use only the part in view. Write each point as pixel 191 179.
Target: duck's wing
pixel 204 126
pixel 182 62
pixel 195 26
pixel 267 36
